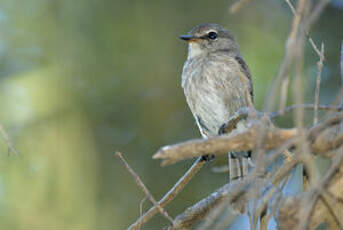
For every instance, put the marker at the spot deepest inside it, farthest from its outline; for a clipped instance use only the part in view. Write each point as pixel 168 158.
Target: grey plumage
pixel 212 84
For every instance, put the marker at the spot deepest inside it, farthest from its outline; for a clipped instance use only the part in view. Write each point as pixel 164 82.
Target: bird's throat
pixel 194 50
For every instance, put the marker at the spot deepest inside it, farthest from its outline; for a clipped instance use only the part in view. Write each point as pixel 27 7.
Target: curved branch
pixel 324 137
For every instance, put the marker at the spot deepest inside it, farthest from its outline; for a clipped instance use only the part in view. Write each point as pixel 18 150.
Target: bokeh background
pixel 81 79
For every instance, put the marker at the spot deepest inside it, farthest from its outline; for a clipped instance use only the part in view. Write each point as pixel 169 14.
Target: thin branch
pixel 291 7
pixel 310 20
pixel 317 129
pixel 331 211
pixel 274 204
pixel 316 96
pixel 283 94
pixel 143 187
pixel 7 140
pixel 333 196
pixel 304 212
pixel 291 50
pixel 308 107
pixel 141 209
pixel 342 63
pixel 268 196
pixel 232 192
pixel 298 82
pixel 310 201
pixel 171 194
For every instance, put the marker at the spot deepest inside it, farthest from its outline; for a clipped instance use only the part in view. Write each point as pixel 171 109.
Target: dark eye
pixel 212 35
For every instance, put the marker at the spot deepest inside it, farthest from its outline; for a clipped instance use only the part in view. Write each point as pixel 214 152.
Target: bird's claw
pixel 227 127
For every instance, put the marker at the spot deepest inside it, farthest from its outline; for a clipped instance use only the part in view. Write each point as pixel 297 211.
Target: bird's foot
pixel 227 127
pixel 208 158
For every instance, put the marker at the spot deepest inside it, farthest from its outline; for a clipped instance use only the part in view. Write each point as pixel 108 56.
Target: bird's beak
pixel 188 38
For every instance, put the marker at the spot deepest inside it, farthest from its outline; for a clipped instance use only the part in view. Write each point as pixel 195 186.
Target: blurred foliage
pixel 81 79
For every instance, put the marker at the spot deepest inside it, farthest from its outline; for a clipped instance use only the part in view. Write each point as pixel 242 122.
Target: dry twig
pixel 306 210
pixel 143 187
pixel 171 194
pixel 307 106
pixel 232 192
pixel 316 97
pixel 7 140
pixel 341 63
pixel 311 199
pixel 290 51
pixel 236 141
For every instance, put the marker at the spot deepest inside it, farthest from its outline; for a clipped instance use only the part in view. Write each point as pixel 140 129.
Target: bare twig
pixel 333 196
pixel 298 88
pixel 307 106
pixel 283 94
pixel 291 6
pixel 309 203
pixel 171 194
pixel 342 63
pixel 317 129
pixel 305 211
pixel 331 211
pixel 316 97
pixel 141 209
pixel 268 196
pixel 275 203
pixel 291 50
pixel 232 192
pixel 236 141
pixel 310 20
pixel 143 187
pixel 7 140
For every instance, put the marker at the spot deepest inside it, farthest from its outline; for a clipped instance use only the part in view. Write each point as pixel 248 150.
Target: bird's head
pixel 209 37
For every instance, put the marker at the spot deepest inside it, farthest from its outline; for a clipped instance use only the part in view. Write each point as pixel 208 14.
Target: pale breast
pixel 213 90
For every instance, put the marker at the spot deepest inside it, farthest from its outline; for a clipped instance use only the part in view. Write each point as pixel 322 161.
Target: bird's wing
pixel 245 69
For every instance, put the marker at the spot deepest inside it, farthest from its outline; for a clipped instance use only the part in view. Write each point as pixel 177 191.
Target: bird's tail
pixel 238 166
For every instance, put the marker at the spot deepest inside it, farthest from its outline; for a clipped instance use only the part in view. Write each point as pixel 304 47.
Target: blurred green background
pixel 81 79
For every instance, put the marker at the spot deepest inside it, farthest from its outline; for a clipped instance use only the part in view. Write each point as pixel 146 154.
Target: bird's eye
pixel 212 35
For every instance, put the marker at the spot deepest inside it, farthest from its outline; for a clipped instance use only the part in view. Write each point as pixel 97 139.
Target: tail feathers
pixel 238 167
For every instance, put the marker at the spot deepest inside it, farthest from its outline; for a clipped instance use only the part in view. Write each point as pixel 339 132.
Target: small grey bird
pixel 213 86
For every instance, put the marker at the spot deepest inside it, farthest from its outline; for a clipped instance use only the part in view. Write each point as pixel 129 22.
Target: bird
pixel 213 87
